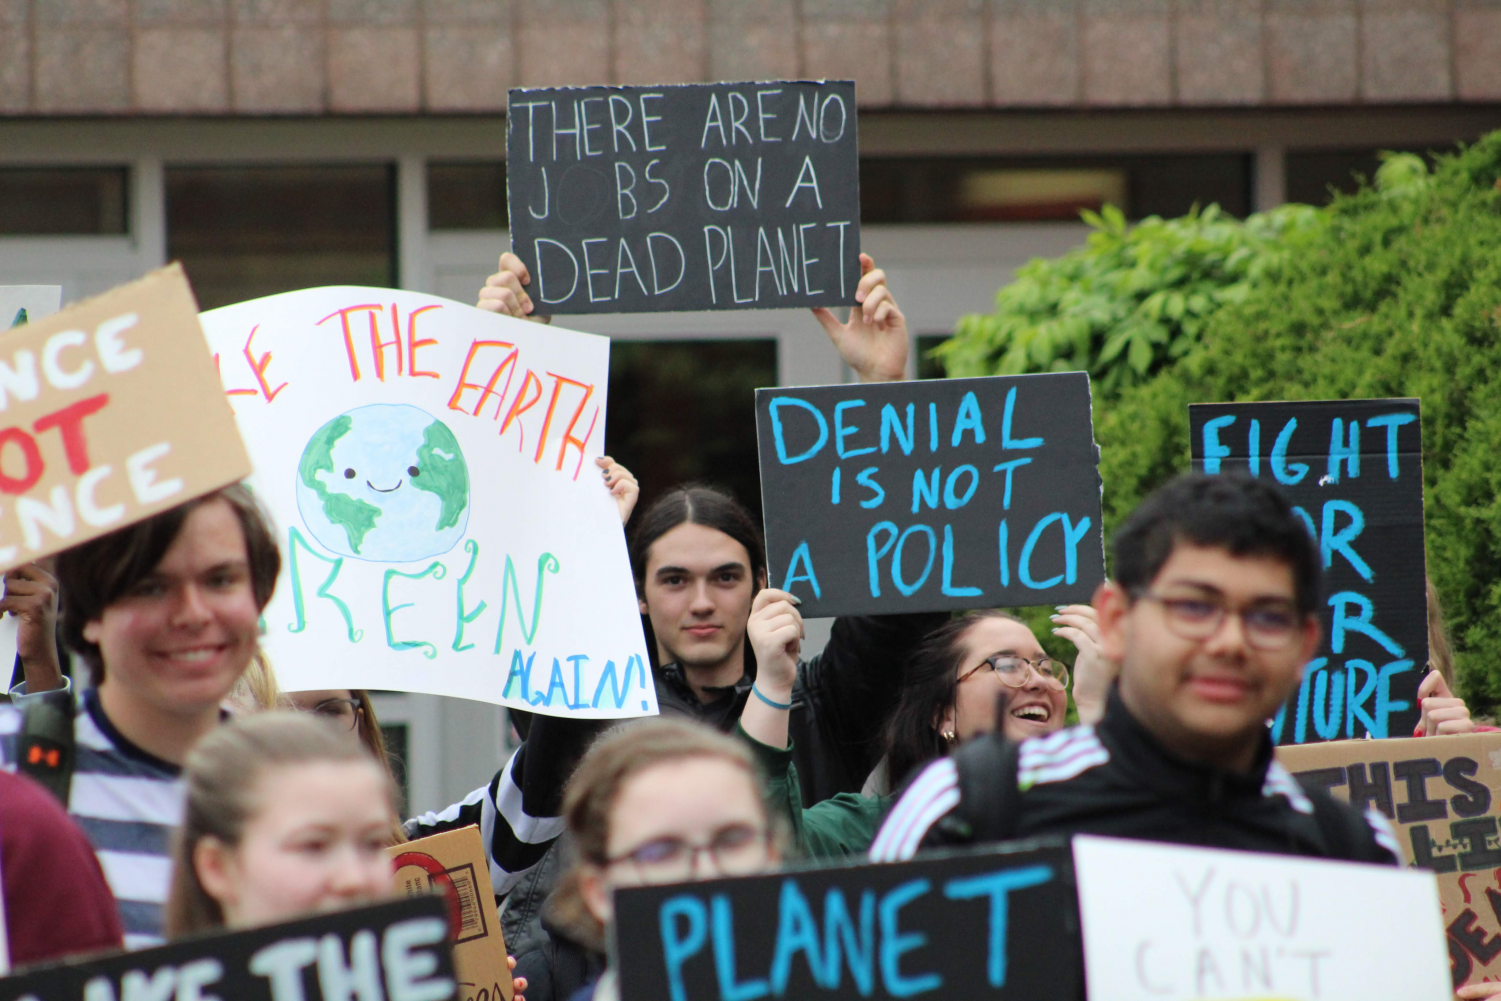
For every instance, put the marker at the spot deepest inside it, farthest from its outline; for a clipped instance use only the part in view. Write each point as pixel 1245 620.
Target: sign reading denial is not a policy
pixel 109 413
pixel 894 497
pixel 444 527
pixel 1353 470
pixel 695 196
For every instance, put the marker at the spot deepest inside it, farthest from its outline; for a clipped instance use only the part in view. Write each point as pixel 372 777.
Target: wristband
pixel 774 705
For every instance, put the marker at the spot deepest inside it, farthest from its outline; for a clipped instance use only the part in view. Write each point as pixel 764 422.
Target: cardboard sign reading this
pixel 695 196
pixel 941 494
pixel 110 411
pixel 1441 792
pixel 995 924
pixel 389 952
pixel 1354 471
pixel 1166 922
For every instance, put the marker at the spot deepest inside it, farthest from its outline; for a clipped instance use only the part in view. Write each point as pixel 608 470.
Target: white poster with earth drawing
pixel 444 529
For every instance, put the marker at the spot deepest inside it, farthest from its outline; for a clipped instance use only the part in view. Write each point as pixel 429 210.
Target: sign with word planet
pixel 444 527
pixel 109 413
pixel 693 196
pixel 389 952
pixel 896 497
pixel 1353 470
pixel 1440 792
pixel 1176 923
pixel 1000 923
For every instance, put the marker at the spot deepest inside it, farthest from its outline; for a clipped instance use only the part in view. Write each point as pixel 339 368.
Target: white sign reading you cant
pixel 444 529
pixel 1168 921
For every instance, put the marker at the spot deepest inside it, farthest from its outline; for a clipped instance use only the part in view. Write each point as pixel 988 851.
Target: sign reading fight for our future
pixel 443 526
pixel 918 496
pixel 997 924
pixel 109 412
pixel 695 196
pixel 1354 471
pixel 389 952
pixel 1167 922
pixel 1441 793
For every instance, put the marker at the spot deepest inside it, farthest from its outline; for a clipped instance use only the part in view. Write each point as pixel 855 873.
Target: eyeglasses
pixel 1012 670
pixel 344 713
pixel 736 850
pixel 1268 624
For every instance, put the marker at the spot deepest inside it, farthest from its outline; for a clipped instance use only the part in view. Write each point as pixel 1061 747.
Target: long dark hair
pixel 698 504
pixel 930 686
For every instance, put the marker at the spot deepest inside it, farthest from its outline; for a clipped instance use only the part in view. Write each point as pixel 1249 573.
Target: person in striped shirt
pixel 165 615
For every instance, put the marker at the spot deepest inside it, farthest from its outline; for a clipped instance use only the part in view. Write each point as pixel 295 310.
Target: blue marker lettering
pixel 1009 467
pixel 1355 700
pixel 834 489
pixel 932 427
pixel 1307 523
pixel 841 432
pixel 522 671
pixel 1300 722
pixel 950 499
pixel 1213 450
pixel 924 490
pixel 1343 623
pixel 1331 541
pixel 677 949
pixel 1024 562
pixel 554 683
pixel 577 660
pixel 800 555
pixel 1005 557
pixel 1391 422
pixel 927 568
pixel 724 956
pixel 948 568
pixel 1385 704
pixel 968 418
pixel 774 409
pixel 1328 687
pixel 1280 466
pixel 1341 452
pixel 866 478
pixel 1006 440
pixel 1254 443
pixel 891 423
pixel 796 932
pixel 996 885
pixel 859 950
pixel 894 943
pixel 873 555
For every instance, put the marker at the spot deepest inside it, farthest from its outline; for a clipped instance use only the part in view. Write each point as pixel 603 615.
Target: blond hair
pixel 1440 654
pixel 221 775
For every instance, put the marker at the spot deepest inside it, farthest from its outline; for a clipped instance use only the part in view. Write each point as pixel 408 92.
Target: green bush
pixel 1130 301
pixel 1396 293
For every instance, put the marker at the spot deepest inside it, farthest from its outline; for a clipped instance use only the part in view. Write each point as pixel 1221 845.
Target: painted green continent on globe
pixel 385 482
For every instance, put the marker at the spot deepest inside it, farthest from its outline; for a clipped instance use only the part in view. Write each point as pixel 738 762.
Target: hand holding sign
pixel 31 596
pixel 1441 712
pixel 503 292
pixel 873 341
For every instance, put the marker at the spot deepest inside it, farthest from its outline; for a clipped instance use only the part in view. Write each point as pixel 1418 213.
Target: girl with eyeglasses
pixel 980 672
pixel 659 801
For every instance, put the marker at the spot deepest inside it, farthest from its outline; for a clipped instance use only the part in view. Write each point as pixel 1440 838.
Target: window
pixel 685 410
pixel 1041 189
pixel 1312 173
pixel 63 201
pixel 467 194
pixel 246 232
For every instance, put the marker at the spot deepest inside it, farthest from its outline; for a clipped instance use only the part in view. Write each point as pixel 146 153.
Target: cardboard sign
pixel 453 865
pixel 1354 470
pixel 109 413
pixel 1164 922
pixel 998 924
pixel 696 196
pixel 1442 793
pixel 389 952
pixel 445 529
pixel 941 494
pixel 23 304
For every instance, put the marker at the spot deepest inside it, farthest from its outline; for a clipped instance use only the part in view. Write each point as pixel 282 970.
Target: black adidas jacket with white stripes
pixel 1115 779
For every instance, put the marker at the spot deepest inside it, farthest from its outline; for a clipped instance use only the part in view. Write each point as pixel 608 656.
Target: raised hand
pixel 775 633
pixel 873 341
pixel 504 291
pixel 1442 711
pixel 622 484
pixel 31 596
pixel 1092 673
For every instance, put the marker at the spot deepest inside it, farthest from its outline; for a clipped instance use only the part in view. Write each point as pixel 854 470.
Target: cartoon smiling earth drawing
pixel 385 482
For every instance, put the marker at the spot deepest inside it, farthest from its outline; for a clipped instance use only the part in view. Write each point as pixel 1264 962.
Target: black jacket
pixel 1115 779
pixel 839 703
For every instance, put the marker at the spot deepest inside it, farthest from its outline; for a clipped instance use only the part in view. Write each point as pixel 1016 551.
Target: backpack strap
pixel 988 797
pixel 46 750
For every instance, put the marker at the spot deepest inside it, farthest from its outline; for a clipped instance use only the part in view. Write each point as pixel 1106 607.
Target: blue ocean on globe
pixel 385 482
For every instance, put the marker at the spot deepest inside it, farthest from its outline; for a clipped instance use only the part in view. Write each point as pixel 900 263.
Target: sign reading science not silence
pixel 110 412
pixel 696 196
pixel 429 467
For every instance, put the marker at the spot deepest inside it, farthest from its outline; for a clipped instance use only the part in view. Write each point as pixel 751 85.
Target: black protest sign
pixel 1001 924
pixel 939 494
pixel 693 196
pixel 391 952
pixel 1354 471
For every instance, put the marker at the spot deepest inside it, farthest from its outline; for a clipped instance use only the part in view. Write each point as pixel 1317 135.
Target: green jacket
pixel 840 827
